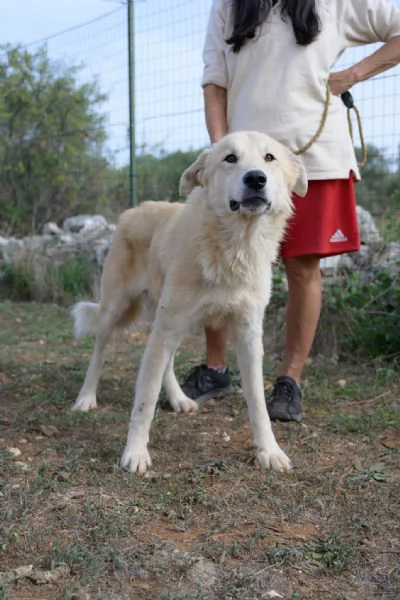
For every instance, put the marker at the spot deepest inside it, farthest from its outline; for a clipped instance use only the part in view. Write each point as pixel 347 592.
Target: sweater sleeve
pixel 369 21
pixel 215 69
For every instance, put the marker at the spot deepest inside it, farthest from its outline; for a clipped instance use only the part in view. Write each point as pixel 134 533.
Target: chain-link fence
pixel 169 122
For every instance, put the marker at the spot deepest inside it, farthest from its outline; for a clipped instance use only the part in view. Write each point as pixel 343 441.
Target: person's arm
pixel 215 108
pixel 386 57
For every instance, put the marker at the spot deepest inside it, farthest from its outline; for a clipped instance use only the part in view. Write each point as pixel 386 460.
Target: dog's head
pixel 248 173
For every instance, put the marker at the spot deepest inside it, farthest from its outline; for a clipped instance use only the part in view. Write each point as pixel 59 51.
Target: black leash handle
pixel 347 100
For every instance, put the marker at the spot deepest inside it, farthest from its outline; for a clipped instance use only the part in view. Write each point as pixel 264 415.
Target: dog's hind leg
pixel 114 311
pixel 178 400
pixel 87 396
pixel 249 348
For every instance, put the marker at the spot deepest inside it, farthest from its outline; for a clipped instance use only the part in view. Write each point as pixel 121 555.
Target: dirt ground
pixel 206 523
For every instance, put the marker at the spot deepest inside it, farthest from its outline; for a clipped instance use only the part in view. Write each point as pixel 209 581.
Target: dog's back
pixel 128 287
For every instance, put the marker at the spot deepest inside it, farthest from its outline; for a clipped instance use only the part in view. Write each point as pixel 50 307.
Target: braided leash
pixel 348 101
pixel 321 125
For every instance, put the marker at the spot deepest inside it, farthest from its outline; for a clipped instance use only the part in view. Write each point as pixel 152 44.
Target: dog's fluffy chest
pixel 234 257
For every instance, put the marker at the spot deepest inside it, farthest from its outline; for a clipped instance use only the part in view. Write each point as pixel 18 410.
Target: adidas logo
pixel 338 236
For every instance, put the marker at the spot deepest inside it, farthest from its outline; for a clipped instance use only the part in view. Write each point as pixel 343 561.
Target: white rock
pixel 51 229
pixel 84 223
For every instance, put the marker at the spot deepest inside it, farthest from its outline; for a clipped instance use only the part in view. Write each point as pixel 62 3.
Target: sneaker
pixel 203 383
pixel 284 403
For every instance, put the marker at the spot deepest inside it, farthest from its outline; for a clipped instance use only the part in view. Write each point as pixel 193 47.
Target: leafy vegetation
pixel 360 315
pixel 51 140
pixel 379 189
pixel 36 279
pixel 368 312
pixel 54 160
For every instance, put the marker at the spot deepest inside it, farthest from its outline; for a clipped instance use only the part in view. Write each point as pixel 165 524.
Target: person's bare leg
pixel 303 311
pixel 216 344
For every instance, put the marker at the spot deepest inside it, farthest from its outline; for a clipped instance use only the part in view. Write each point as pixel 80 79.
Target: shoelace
pixel 285 389
pixel 197 375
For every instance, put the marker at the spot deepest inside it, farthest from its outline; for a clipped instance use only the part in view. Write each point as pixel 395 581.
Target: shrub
pixel 360 315
pixel 366 313
pixel 31 278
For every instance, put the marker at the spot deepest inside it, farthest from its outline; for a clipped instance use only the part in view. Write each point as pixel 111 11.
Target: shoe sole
pixel 227 391
pixel 164 404
pixel 297 417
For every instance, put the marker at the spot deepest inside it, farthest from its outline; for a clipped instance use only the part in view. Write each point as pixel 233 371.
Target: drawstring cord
pixel 348 101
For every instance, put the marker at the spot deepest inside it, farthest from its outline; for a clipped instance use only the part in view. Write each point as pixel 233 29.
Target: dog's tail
pixel 85 315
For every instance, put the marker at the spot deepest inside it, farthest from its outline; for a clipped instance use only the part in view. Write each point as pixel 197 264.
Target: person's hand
pixel 340 81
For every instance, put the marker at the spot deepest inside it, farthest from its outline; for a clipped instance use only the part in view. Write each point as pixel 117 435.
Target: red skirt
pixel 324 221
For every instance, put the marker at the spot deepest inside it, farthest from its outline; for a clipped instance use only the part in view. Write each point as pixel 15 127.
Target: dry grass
pixel 206 523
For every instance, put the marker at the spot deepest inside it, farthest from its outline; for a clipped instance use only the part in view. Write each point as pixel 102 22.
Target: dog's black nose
pixel 255 180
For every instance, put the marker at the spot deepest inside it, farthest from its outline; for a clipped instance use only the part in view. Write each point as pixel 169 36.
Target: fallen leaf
pixel 39 576
pixel 391 441
pixel 48 430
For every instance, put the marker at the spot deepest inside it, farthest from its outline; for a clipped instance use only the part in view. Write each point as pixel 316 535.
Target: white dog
pixel 206 261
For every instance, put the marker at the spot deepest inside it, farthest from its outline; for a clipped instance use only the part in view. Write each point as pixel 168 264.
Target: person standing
pixel 267 67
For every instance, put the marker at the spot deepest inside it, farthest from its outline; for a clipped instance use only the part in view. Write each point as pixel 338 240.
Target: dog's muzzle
pixel 254 197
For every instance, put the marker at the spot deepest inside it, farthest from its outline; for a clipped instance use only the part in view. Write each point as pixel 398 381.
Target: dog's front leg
pixel 248 336
pixel 160 347
pixel 178 400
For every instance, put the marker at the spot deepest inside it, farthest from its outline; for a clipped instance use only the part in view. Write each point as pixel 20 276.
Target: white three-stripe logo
pixel 338 236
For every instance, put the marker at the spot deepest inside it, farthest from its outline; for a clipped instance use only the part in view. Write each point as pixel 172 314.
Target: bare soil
pixel 206 523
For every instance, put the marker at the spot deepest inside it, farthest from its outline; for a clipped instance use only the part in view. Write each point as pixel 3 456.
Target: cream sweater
pixel 278 87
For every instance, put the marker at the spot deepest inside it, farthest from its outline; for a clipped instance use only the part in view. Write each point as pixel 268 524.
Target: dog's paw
pixel 275 460
pixel 84 404
pixel 136 462
pixel 183 404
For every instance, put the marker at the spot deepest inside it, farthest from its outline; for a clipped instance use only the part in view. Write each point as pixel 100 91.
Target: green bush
pixel 15 283
pixel 72 279
pixel 366 312
pixel 360 316
pixel 32 279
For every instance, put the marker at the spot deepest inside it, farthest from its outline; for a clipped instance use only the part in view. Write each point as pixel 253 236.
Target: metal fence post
pixel 131 76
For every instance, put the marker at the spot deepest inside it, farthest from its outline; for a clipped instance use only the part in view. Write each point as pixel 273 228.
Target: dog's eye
pixel 269 157
pixel 231 158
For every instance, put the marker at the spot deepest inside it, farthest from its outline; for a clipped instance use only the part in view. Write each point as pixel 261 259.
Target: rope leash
pixel 322 124
pixel 348 101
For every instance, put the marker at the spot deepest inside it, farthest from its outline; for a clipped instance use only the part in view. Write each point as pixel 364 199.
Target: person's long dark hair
pixel 249 15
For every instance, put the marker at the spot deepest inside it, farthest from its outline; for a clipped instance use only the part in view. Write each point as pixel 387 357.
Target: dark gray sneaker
pixel 284 403
pixel 203 383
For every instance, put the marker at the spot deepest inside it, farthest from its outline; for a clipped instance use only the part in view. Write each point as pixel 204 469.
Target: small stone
pixel 341 383
pixel 14 452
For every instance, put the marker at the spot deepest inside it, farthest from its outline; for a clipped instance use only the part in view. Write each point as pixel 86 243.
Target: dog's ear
pixel 193 175
pixel 300 184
